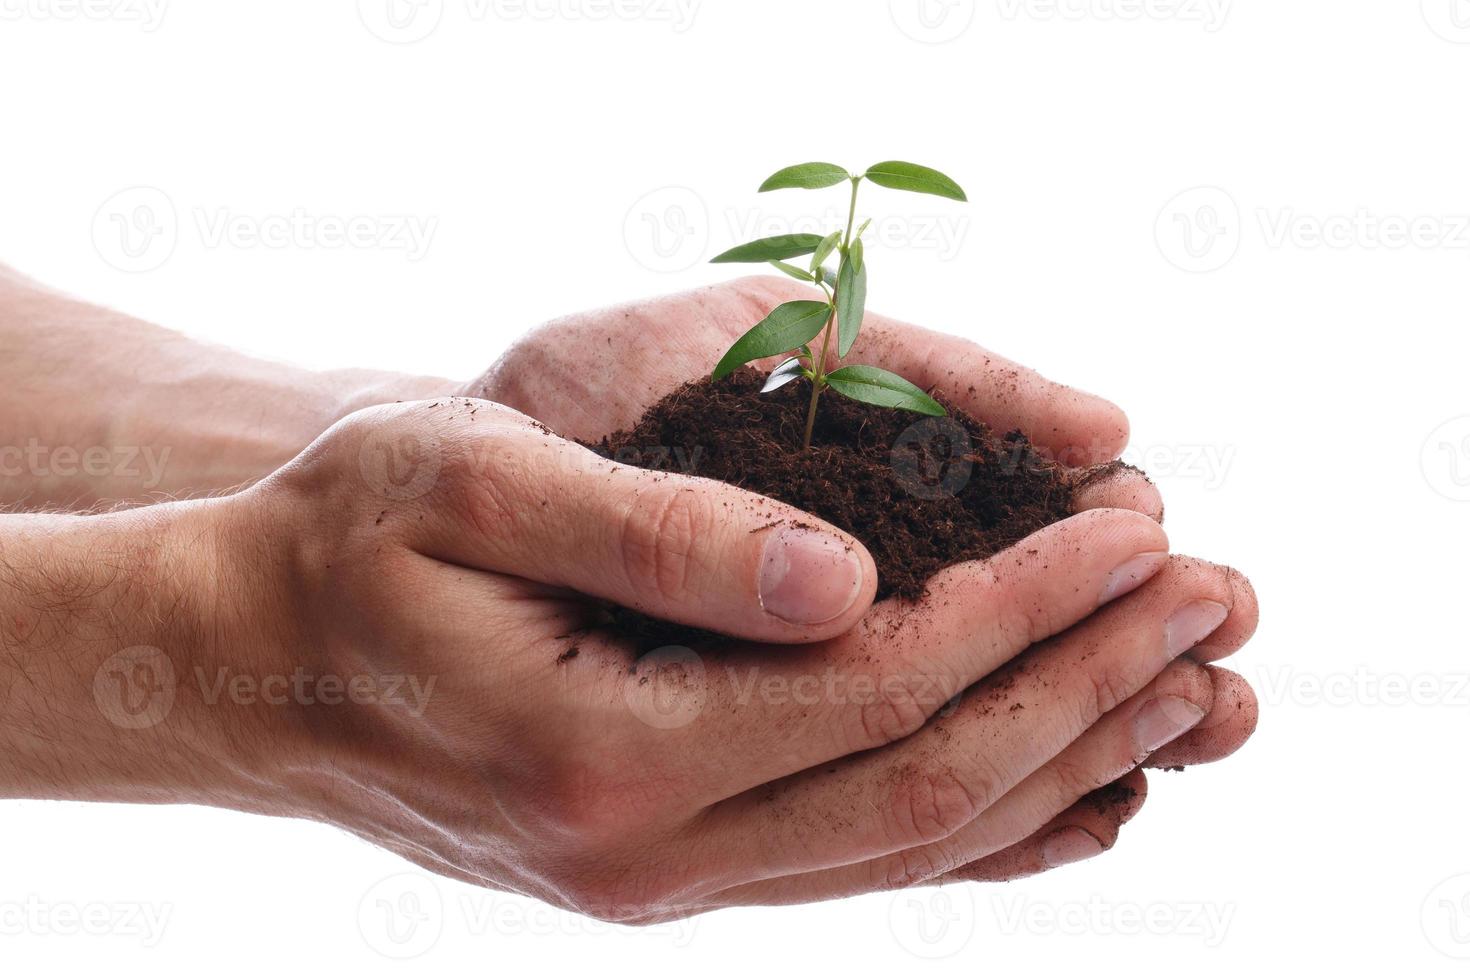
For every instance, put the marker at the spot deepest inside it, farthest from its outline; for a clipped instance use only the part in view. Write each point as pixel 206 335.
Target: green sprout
pixel 791 327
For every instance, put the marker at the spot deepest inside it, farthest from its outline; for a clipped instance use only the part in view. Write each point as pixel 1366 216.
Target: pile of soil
pixel 921 493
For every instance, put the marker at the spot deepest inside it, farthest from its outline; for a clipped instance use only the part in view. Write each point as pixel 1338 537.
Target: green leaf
pixel 786 328
pixel 825 249
pixel 829 276
pixel 811 176
pixel 785 373
pixel 875 386
pixel 857 235
pixel 913 177
pixel 794 272
pixel 852 298
pixel 771 249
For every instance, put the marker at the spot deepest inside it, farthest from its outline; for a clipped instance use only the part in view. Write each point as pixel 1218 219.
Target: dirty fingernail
pixel 1068 846
pixel 1133 572
pixel 1163 720
pixel 1190 624
pixel 808 577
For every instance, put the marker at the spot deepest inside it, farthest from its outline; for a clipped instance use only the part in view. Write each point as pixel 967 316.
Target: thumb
pixel 689 550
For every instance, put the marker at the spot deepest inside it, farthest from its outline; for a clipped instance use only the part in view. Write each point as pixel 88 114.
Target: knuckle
pixel 1104 692
pixel 906 869
pixel 658 538
pixel 929 807
pixel 895 711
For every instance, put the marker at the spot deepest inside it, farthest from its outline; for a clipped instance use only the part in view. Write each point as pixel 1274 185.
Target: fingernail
pixel 1190 624
pixel 1163 720
pixel 1068 846
pixel 808 577
pixel 1127 576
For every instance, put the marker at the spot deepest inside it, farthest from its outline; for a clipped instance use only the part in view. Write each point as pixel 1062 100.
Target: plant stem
pixel 818 372
pixel 819 365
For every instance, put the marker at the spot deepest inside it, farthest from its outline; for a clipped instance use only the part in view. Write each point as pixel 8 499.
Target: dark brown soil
pixel 920 493
pixel 1113 796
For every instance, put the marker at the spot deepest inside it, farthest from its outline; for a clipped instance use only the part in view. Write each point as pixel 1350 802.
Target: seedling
pixel 791 327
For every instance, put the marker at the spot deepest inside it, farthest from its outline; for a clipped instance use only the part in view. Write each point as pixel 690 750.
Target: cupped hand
pixel 841 746
pixel 589 374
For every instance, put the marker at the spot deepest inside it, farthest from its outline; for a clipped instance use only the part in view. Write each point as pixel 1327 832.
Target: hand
pixel 451 547
pixel 590 374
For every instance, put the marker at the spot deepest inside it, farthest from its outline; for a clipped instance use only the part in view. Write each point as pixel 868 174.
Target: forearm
pixel 103 620
pixel 98 408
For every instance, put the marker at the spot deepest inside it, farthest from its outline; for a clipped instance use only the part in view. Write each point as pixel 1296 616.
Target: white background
pixel 1302 401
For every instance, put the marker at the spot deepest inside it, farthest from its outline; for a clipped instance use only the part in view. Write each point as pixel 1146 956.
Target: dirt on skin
pixel 921 493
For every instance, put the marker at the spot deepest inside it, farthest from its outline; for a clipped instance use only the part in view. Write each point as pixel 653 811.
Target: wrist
pixel 105 623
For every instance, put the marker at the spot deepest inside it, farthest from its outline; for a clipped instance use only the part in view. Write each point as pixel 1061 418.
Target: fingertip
pixel 1115 484
pixel 1231 721
pixel 814 582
